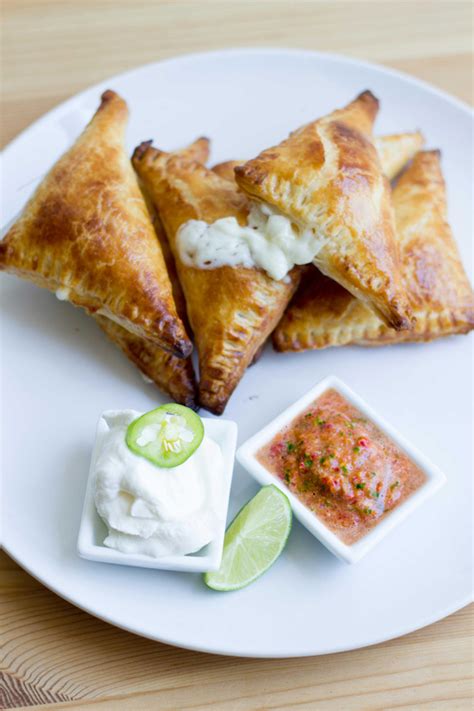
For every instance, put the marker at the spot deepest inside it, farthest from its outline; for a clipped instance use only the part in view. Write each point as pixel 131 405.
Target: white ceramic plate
pixel 59 373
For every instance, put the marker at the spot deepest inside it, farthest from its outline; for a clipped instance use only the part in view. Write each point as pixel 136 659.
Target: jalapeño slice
pixel 166 436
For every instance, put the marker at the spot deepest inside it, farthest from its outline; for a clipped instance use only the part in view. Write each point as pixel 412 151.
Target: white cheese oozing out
pixel 63 293
pixel 152 510
pixel 269 241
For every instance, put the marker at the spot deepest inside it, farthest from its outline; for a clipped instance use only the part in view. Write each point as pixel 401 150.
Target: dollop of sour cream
pixel 152 510
pixel 269 241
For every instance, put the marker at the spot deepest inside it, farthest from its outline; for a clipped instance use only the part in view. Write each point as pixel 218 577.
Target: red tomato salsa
pixel 341 466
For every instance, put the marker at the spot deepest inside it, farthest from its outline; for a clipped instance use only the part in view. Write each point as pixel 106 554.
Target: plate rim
pixel 292 51
pixel 68 103
pixel 210 649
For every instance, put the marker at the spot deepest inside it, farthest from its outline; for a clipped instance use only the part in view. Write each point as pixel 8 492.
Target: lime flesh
pixel 166 436
pixel 253 541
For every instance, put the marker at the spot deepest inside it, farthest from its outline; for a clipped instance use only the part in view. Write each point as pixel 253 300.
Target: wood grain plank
pixel 71 45
pixel 14 692
pixel 52 651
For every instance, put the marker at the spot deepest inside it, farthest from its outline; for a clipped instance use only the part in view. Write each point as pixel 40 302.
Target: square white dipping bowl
pixel 93 530
pixel 246 455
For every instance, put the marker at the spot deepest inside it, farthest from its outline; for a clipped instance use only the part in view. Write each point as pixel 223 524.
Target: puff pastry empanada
pixel 198 151
pixel 327 176
pixel 175 376
pixel 87 232
pixel 232 310
pixel 323 314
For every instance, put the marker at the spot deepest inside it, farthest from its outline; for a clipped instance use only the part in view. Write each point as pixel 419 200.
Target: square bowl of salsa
pixel 349 475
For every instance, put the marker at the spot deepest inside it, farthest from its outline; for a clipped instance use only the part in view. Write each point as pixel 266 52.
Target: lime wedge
pixel 253 541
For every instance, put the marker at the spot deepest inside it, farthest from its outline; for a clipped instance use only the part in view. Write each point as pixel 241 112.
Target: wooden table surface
pixel 54 654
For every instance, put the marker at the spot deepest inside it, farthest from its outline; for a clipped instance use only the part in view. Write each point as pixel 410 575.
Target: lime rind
pixel 253 541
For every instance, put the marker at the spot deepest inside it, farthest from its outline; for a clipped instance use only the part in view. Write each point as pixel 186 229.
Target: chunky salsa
pixel 341 466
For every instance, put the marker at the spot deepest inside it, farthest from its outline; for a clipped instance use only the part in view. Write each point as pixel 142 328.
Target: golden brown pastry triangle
pixel 327 177
pixel 232 310
pixel 175 376
pixel 86 233
pixel 323 314
pixel 196 151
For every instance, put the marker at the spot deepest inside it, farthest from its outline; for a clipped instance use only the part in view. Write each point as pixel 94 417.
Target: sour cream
pixel 269 241
pixel 156 511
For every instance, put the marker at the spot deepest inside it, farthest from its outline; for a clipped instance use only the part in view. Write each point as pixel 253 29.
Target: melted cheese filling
pixel 269 241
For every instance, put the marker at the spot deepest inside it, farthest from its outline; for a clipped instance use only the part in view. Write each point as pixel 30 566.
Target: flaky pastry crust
pixel 232 310
pixel 87 231
pixel 323 314
pixel 175 376
pixel 394 150
pixel 327 176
